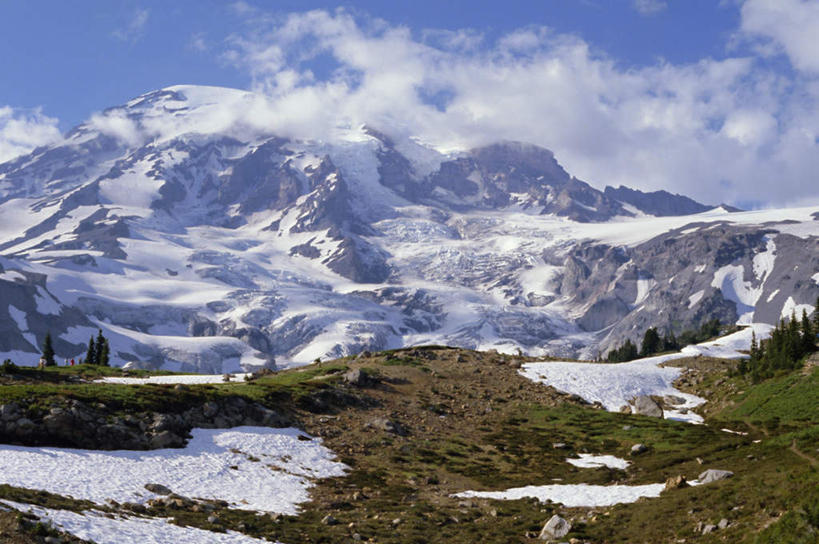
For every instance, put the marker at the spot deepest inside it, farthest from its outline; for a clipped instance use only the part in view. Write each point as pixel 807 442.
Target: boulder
pixel 637 449
pixel 675 482
pixel 555 528
pixel 646 406
pixel 166 439
pixel 357 378
pixel 712 475
pixel 159 489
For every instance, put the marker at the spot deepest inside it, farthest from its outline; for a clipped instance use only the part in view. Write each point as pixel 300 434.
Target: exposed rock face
pixel 76 424
pixel 210 252
pixel 658 203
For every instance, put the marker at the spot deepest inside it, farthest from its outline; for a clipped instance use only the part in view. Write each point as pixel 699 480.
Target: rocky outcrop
pixel 557 527
pixel 73 423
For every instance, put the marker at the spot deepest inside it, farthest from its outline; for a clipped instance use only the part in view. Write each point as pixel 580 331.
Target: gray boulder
pixel 646 406
pixel 556 527
pixel 712 475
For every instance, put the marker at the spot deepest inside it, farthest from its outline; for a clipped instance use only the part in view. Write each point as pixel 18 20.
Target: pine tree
pixel 91 354
pixel 99 346
pixel 808 335
pixel 48 351
pixel 651 342
pixel 104 358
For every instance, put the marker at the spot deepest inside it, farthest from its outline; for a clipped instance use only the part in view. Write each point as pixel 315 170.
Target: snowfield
pixel 187 379
pixel 100 528
pixel 253 468
pixel 614 385
pixel 573 495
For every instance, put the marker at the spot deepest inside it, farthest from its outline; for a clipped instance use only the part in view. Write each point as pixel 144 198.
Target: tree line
pixel 653 343
pixel 790 341
pixel 98 352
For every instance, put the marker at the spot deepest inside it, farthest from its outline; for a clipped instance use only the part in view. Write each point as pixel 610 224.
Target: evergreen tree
pixel 651 342
pixel 48 351
pixel 808 335
pixel 99 346
pixel 104 358
pixel 91 354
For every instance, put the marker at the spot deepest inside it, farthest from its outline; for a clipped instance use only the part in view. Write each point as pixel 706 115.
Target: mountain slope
pixel 199 239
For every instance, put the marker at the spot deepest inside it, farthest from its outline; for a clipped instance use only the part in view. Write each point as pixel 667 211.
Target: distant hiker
pixel 71 363
pixel 42 363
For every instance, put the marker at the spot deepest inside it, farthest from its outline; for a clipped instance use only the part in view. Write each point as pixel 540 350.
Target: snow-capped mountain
pixel 198 238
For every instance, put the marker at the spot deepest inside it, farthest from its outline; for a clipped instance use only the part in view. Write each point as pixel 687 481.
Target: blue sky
pixel 74 58
pixel 710 98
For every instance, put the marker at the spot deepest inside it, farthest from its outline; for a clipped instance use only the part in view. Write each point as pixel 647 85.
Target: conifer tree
pixel 99 346
pixel 651 342
pixel 91 354
pixel 48 351
pixel 104 357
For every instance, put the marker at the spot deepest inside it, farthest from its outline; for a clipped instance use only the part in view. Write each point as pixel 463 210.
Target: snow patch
pixel 729 280
pixel 791 307
pixel 188 379
pixel 695 298
pixel 590 460
pixel 573 495
pixel 102 529
pixel 216 464
pixel 764 262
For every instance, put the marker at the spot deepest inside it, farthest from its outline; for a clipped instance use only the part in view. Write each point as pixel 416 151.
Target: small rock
pixel 556 527
pixel 53 540
pixel 709 529
pixel 213 518
pixel 357 378
pixel 712 475
pixel 329 520
pixel 723 523
pixel 637 449
pixel 559 446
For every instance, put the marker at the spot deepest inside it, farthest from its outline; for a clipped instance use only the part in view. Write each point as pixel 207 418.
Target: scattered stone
pixel 646 406
pixel 637 449
pixel 709 529
pixel 712 475
pixel 386 425
pixel 159 489
pixel 723 523
pixel 560 446
pixel 213 518
pixel 329 520
pixel 673 400
pixel 556 527
pixel 166 439
pixel 53 540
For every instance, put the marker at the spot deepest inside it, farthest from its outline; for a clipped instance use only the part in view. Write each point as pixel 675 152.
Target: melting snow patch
pixel 589 460
pixel 815 278
pixel 255 468
pixel 573 495
pixel 100 528
pixel 614 385
pixel 189 379
pixel 791 307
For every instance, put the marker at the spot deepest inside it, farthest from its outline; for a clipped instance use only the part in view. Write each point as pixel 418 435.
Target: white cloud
pixel 649 7
pixel 198 42
pixel 134 28
pixel 23 130
pixel 718 130
pixel 790 26
pixel 115 123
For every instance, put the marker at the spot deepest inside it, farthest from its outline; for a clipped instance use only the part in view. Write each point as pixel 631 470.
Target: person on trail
pixel 42 363
pixel 71 363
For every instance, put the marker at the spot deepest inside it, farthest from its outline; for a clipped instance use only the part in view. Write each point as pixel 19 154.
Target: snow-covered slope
pixel 197 238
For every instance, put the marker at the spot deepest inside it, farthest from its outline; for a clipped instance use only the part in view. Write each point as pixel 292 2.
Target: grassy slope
pixel 474 423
